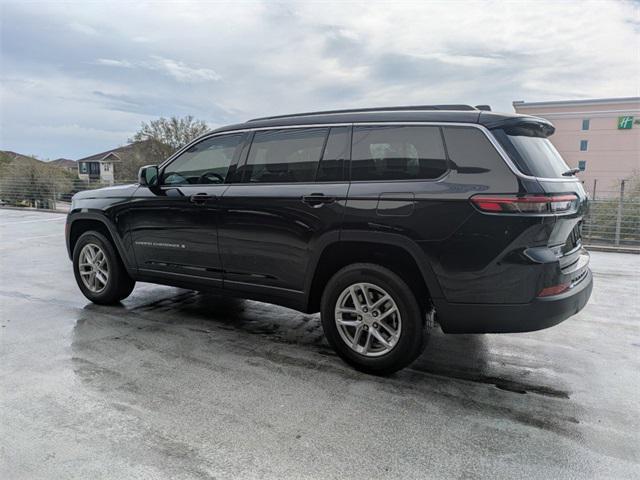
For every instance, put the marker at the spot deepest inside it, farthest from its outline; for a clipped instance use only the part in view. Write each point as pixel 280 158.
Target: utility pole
pixel 619 217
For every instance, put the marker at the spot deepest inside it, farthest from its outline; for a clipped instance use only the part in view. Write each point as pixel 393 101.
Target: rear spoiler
pixel 524 125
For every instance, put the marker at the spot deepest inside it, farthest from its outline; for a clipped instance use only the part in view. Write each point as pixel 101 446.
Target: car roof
pixel 432 113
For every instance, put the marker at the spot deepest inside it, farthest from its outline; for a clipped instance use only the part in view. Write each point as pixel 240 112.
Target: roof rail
pixel 375 109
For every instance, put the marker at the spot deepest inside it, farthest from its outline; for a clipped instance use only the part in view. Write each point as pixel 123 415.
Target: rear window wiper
pixel 571 172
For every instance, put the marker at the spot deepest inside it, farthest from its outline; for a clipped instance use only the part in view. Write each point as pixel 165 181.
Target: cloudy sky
pixel 80 77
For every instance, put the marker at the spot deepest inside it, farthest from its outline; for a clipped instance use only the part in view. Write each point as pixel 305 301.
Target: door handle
pixel 200 198
pixel 317 200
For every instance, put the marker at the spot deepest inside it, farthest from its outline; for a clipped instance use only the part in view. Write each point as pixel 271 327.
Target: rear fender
pixel 385 238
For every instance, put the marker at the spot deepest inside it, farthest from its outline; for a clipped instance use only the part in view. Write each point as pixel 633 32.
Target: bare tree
pixel 173 132
pixel 159 139
pixel 141 153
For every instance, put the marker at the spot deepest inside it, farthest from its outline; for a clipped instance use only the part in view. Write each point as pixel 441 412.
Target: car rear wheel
pixel 372 319
pixel 99 271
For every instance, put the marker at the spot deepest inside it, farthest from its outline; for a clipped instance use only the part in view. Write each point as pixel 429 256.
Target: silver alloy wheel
pixel 368 319
pixel 93 267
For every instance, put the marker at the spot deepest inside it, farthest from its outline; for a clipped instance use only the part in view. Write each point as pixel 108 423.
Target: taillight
pixel 554 290
pixel 532 204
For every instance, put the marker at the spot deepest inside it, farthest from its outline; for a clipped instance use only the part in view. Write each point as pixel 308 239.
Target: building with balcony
pixel 99 167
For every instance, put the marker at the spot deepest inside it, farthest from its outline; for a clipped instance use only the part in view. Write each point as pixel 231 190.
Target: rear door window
pixel 284 156
pixel 336 152
pixel 397 153
pixel 535 156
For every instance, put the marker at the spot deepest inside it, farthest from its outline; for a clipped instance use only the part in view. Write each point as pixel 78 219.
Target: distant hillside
pixel 127 159
pixel 64 163
pixel 7 156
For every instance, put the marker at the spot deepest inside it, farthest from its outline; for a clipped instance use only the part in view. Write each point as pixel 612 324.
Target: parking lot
pixel 179 384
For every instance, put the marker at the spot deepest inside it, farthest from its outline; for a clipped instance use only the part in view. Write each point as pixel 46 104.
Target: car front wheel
pixel 99 271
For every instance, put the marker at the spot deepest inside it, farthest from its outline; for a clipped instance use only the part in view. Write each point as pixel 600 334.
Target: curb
pixel 621 249
pixel 28 209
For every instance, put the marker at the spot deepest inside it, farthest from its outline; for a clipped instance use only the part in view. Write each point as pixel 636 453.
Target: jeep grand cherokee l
pixel 380 219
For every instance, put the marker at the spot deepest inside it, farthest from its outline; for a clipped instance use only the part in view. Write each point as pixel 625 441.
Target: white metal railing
pixel 614 218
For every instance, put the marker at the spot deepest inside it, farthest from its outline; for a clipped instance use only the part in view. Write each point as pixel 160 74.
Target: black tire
pixel 413 336
pixel 119 284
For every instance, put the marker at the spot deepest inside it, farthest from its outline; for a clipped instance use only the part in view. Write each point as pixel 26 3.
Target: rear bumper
pixel 541 313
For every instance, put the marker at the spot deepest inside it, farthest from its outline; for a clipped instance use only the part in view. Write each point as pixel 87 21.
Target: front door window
pixel 206 162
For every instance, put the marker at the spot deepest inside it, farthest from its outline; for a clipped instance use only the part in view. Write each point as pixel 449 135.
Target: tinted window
pixel 283 156
pixel 469 149
pixel 584 144
pixel 335 153
pixel 533 155
pixel 585 124
pixel 205 162
pixel 397 153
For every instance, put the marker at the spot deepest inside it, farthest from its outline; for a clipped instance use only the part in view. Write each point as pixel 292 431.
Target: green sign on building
pixel 625 123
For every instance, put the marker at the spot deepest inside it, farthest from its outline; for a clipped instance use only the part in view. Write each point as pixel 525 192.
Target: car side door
pixel 287 199
pixel 174 227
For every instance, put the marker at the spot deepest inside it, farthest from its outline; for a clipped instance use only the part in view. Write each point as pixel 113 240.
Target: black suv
pixel 384 220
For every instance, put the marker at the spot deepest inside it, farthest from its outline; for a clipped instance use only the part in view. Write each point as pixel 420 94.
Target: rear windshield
pixel 534 156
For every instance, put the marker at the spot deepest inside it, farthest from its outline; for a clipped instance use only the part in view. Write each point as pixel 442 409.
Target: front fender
pixel 117 231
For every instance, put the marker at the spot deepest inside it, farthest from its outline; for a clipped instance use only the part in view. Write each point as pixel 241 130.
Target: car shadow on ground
pixel 191 326
pixel 460 357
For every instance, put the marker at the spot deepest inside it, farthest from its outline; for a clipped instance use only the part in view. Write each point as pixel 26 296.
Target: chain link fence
pixel 51 192
pixel 613 219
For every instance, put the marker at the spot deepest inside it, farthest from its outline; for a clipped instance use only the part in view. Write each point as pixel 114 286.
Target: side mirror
pixel 148 176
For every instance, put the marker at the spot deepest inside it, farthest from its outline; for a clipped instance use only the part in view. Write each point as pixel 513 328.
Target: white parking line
pixel 15 243
pixel 33 221
pixel 40 236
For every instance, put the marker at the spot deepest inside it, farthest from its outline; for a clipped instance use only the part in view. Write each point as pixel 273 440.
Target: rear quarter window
pixel 470 150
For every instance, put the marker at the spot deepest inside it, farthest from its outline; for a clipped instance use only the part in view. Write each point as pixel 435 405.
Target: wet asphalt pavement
pixel 178 384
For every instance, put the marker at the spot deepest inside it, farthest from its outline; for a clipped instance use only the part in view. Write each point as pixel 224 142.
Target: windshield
pixel 535 156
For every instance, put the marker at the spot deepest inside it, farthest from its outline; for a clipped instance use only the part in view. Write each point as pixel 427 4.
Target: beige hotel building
pixel 599 136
